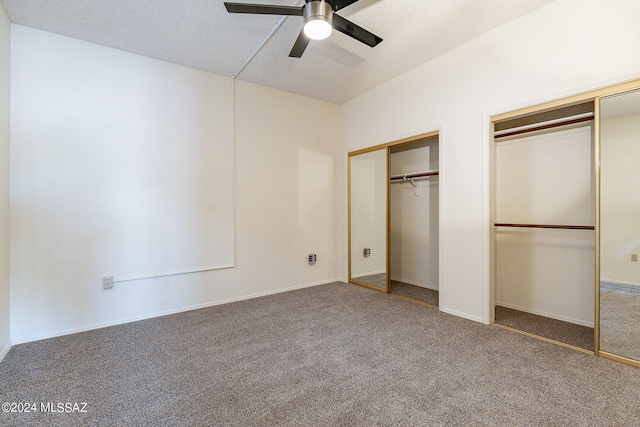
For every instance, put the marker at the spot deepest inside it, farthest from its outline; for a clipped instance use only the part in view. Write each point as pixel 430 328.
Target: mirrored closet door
pixel 620 225
pixel 394 210
pixel 368 172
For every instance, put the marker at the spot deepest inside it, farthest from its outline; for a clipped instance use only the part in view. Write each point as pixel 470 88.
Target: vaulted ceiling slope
pixel 201 34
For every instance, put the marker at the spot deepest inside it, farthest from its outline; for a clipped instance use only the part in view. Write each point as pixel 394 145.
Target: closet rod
pixel 549 125
pixel 563 227
pixel 414 175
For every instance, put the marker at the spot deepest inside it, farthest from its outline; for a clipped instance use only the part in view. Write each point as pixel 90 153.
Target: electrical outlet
pixel 107 281
pixel 634 257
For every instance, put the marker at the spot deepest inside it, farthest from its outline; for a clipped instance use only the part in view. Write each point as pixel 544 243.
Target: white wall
pixel 286 151
pixel 369 213
pixel 152 143
pixel 285 186
pixel 414 218
pixel 566 47
pixel 546 179
pixel 619 204
pixel 5 36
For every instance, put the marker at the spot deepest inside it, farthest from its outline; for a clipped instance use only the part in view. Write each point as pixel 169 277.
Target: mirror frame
pixel 604 353
pixel 349 192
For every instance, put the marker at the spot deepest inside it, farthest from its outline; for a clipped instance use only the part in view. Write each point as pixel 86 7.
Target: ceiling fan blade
pixel 341 4
pixel 300 45
pixel 349 28
pixel 262 9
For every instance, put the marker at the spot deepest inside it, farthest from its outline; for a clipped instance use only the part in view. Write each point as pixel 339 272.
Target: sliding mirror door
pixel 368 192
pixel 620 225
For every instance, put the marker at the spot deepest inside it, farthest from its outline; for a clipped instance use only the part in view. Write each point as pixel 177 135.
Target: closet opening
pixel 414 220
pixel 543 238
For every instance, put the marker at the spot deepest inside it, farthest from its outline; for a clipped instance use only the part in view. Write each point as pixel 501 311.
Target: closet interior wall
pixel 414 207
pixel 545 178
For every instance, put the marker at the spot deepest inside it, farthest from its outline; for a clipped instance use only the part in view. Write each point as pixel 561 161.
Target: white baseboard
pixel 369 273
pixel 5 350
pixel 414 283
pixel 546 314
pixel 22 340
pixel 461 314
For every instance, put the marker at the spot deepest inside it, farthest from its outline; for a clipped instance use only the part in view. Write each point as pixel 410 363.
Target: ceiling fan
pixel 319 20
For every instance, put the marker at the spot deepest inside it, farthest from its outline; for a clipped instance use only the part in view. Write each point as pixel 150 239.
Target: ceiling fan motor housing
pixel 318 10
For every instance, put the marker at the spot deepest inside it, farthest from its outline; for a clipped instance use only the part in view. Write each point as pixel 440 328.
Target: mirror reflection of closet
pixel 368 219
pixel 413 239
pixel 620 225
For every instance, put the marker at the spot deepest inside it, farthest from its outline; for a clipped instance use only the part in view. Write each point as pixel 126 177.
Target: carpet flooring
pixel 418 293
pixel 557 330
pixel 329 355
pixel 620 319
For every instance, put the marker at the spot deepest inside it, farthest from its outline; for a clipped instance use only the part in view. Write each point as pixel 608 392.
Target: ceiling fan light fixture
pixel 318 17
pixel 317 29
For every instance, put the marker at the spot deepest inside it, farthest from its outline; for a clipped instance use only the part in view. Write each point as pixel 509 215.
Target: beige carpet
pixel 330 355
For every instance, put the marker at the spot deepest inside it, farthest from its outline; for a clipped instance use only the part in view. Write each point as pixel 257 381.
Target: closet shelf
pixel 563 227
pixel 425 174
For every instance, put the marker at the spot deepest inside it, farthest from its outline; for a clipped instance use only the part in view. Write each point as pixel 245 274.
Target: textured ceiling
pixel 202 34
